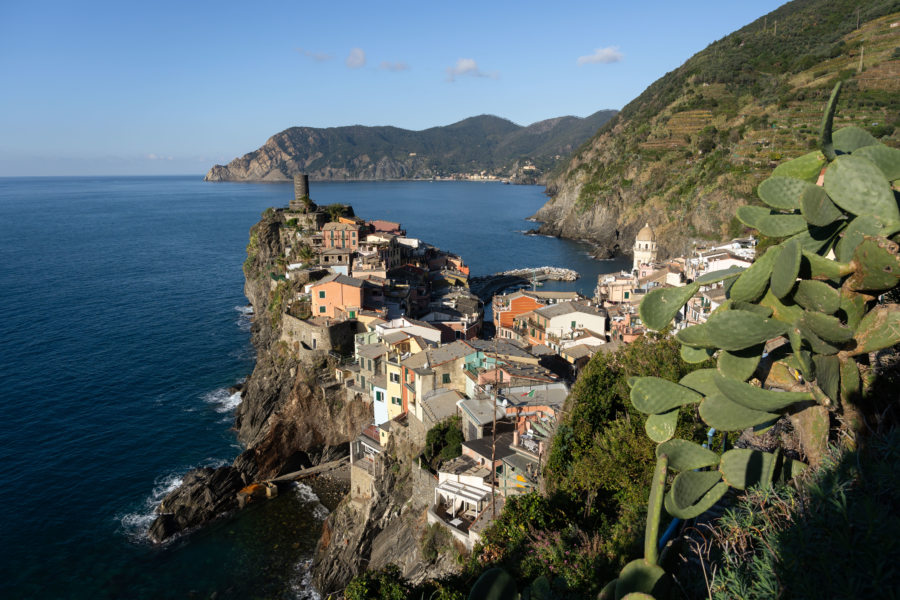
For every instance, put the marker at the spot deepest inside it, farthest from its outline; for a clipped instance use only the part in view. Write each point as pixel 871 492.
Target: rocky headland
pixel 286 420
pixel 292 416
pixel 475 146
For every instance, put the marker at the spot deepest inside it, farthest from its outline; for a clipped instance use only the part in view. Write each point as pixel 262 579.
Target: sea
pixel 124 325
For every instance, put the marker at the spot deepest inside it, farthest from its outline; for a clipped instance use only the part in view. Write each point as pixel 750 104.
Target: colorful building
pixel 337 296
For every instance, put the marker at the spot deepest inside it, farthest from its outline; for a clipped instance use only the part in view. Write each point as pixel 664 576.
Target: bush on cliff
pixel 443 442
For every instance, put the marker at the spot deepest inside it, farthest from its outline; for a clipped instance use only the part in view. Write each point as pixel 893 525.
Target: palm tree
pixel 335 211
pixel 306 253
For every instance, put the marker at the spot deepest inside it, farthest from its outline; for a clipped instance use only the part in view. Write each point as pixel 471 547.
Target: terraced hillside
pixel 691 148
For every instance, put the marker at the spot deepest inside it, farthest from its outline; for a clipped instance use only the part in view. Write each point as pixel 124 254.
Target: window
pixel 445 378
pixel 362 380
pixel 395 377
pixel 321 293
pixel 370 364
pixel 321 309
pixel 379 396
pixel 626 295
pixel 396 400
pixel 573 324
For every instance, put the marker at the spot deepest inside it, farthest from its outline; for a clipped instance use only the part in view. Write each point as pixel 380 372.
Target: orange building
pixel 508 307
pixel 337 296
pixel 340 235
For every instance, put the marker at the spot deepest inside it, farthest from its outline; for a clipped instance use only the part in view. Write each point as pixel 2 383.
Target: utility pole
pixel 862 53
pixel 494 445
pixel 776 27
pixel 857 17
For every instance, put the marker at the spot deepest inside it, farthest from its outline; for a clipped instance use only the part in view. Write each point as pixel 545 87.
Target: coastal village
pixel 406 334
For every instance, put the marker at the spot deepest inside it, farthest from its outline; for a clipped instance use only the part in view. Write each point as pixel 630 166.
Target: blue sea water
pixel 123 327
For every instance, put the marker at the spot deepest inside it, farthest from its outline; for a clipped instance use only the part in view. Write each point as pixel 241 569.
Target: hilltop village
pixel 406 336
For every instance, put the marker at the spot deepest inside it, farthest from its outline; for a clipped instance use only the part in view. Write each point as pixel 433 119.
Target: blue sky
pixel 175 87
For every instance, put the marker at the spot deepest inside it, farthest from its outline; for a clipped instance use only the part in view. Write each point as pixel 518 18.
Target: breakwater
pixel 486 286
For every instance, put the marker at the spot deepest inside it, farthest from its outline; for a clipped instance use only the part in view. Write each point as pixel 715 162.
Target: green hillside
pixel 690 149
pixel 478 144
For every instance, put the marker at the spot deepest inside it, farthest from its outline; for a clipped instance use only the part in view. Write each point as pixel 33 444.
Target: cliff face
pixel 386 529
pixel 286 419
pixel 484 143
pixel 690 150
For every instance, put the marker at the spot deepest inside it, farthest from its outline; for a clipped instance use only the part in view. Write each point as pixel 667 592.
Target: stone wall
pixel 305 337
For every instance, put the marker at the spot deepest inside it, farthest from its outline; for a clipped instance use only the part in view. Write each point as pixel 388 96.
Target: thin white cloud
pixel 152 156
pixel 604 56
pixel 316 56
pixel 468 66
pixel 356 58
pixel 393 66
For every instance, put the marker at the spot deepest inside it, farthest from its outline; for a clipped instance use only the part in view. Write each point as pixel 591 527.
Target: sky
pixel 116 88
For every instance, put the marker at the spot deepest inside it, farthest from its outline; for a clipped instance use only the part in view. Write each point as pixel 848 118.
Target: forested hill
pixel 485 143
pixel 691 148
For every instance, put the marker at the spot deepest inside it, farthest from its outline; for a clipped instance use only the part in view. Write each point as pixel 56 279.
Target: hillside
pixel 691 148
pixel 484 143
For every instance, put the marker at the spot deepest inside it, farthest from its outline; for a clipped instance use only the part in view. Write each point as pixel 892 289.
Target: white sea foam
pixel 307 495
pixel 136 524
pixel 223 400
pixel 301 582
pixel 245 318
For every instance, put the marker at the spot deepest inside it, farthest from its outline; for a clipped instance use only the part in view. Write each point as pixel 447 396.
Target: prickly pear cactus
pixel 806 311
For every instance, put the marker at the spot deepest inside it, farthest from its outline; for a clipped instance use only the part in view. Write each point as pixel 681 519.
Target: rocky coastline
pixel 282 422
pixel 287 421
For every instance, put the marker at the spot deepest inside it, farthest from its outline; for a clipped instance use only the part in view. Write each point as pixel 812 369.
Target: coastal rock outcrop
pixel 203 495
pixel 287 418
pixel 384 529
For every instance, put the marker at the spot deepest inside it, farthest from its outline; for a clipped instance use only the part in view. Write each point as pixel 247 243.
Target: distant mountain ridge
pixel 690 150
pixel 484 143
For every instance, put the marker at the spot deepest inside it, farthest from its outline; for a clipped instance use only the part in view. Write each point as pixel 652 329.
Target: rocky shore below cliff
pixel 285 420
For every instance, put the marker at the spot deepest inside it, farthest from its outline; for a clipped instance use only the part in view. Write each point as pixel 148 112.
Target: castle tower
pixel 644 247
pixel 301 201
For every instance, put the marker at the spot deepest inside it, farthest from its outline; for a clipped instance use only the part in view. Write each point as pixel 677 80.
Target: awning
pixel 463 492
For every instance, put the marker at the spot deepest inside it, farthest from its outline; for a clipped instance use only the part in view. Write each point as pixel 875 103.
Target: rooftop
pixel 565 308
pixel 482 446
pixel 341 279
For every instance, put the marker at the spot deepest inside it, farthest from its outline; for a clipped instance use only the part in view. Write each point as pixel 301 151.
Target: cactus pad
pixel 753 282
pixel 686 456
pixel 640 576
pixel 660 306
pixel 718 411
pixel 692 355
pixel 859 187
pixel 653 395
pixel 886 159
pixel 850 139
pixel 696 336
pixel 739 329
pixel 827 327
pixel 661 427
pixel 879 329
pixel 785 269
pixel 742 468
pixel 782 192
pixel 756 398
pixel 701 506
pixel 817 208
pixel 739 364
pixel 806 167
pixel 817 296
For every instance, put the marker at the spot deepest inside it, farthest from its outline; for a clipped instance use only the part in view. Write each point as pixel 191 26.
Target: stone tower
pixel 301 201
pixel 644 247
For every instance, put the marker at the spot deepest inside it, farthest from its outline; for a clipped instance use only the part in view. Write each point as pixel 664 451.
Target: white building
pixel 644 248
